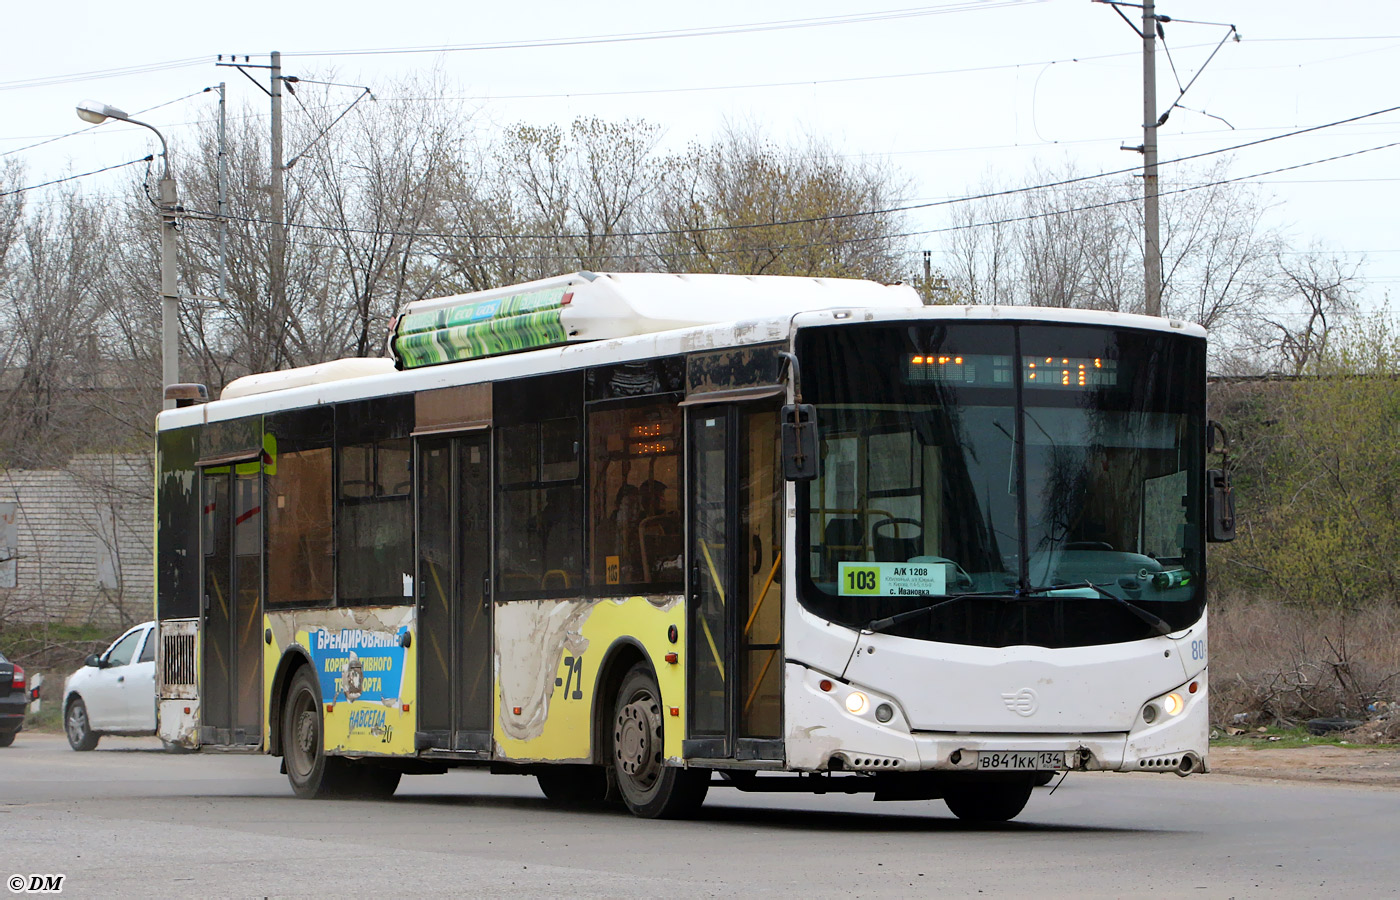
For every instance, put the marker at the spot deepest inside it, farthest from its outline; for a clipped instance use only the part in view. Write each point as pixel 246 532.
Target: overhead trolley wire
pixel 850 215
pixel 32 187
pixel 781 248
pixel 139 112
pixel 712 31
pixel 143 69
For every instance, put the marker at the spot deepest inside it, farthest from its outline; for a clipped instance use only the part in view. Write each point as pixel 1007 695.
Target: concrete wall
pixel 80 541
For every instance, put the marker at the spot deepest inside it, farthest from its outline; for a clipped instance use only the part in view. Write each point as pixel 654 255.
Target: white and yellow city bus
pixel 640 534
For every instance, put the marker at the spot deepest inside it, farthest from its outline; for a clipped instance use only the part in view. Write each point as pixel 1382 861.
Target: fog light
pixel 884 712
pixel 856 702
pixel 1173 704
pixel 1149 714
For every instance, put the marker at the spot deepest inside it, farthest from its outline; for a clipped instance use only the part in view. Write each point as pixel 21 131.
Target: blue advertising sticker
pixel 355 664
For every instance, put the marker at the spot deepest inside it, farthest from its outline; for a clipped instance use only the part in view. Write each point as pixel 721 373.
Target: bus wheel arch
pixel 620 658
pixel 293 659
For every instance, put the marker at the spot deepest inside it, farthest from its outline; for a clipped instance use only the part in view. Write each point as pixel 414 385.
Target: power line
pixel 807 82
pixel 1181 190
pixel 33 187
pixel 716 31
pixel 841 216
pixel 140 112
pixel 782 248
pixel 187 62
pixel 143 69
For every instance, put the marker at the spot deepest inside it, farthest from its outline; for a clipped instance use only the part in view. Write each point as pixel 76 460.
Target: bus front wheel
pixel 650 788
pixel 986 802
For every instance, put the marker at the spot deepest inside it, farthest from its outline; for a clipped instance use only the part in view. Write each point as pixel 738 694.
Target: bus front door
pixel 454 593
pixel 735 596
pixel 231 542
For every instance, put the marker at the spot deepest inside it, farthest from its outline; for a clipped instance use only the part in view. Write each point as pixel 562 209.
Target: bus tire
pixel 574 785
pixel 650 788
pixel 368 781
pixel 313 774
pixel 989 801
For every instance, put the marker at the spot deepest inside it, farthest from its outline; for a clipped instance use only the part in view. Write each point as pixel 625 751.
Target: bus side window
pixel 634 514
pixel 374 503
pixel 539 487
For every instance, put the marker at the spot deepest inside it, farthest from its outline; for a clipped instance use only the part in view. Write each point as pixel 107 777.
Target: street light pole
pixel 97 113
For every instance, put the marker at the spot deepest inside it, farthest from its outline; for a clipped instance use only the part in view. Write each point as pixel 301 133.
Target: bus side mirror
pixel 1220 507
pixel 799 442
pixel 1220 497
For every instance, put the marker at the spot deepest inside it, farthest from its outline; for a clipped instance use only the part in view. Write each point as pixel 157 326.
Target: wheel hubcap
pixel 637 741
pixel 77 724
pixel 304 737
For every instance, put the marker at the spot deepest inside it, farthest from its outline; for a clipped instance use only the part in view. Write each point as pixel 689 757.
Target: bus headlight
pixel 1169 705
pixel 856 702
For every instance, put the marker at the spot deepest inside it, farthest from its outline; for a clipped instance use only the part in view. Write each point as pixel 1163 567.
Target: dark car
pixel 14 699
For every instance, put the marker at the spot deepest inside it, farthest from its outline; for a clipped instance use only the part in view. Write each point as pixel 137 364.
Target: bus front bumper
pixel 856 736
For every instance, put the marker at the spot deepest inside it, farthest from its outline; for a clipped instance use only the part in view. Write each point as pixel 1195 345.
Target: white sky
pixel 952 98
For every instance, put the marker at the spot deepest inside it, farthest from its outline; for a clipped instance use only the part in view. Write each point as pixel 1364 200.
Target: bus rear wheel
pixel 574 785
pixel 650 788
pixel 313 774
pixel 987 802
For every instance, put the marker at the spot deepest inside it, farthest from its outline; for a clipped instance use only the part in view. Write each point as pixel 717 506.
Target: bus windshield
pixel 1063 510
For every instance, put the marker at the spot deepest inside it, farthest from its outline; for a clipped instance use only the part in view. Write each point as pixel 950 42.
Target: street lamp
pixel 97 113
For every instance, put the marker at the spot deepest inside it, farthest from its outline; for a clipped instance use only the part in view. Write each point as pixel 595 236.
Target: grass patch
pixel 1287 739
pixel 37 634
pixel 49 720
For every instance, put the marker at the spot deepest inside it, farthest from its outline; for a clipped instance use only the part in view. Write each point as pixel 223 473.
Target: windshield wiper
pixel 881 624
pixel 1158 624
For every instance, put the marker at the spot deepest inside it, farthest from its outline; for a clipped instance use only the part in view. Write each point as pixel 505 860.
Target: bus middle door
pixel 454 599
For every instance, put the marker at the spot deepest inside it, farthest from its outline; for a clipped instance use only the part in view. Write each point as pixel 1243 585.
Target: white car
pixel 114 693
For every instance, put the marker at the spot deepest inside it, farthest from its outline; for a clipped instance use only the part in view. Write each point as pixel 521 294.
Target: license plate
pixel 1020 760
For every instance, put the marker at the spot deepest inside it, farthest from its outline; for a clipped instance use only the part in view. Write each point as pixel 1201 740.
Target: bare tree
pixel 1318 292
pixel 1218 255
pixel 375 182
pixel 48 308
pixel 1078 242
pixel 743 204
pixel 981 247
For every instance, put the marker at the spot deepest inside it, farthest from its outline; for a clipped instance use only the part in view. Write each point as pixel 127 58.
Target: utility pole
pixel 1152 246
pixel 1151 188
pixel 223 193
pixel 169 290
pixel 279 207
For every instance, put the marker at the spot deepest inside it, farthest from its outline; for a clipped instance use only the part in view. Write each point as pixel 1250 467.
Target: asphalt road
pixel 127 820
